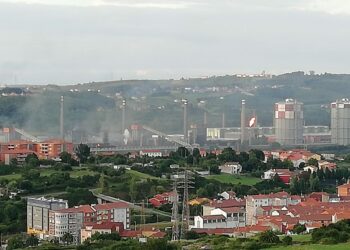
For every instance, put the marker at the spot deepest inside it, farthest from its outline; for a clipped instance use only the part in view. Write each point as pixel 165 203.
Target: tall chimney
pixel 61 119
pixel 243 137
pixel 185 102
pixel 123 115
pixel 223 120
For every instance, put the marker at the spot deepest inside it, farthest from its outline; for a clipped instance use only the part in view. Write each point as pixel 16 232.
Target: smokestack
pixel 123 115
pixel 205 120
pixel 185 102
pixel 243 122
pixel 223 120
pixel 61 119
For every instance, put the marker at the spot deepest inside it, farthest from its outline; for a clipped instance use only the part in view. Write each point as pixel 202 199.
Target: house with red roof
pixel 103 228
pixel 162 199
pixel 284 174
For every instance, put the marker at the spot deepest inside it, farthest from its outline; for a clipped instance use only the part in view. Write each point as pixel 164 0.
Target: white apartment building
pixel 68 220
pixel 231 168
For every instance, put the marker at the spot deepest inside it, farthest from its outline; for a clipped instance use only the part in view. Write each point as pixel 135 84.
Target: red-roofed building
pixel 284 174
pixel 113 212
pixel 344 190
pixel 161 199
pixel 103 228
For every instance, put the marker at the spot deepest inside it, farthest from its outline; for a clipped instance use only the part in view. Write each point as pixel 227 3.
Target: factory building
pixel 289 121
pixel 340 122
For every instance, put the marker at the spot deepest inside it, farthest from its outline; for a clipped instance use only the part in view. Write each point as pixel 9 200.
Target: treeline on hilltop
pixel 96 111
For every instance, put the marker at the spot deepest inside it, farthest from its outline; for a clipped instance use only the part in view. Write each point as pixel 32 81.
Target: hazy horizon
pixel 76 41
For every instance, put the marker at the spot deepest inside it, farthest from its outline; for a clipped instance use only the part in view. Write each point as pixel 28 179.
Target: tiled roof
pixel 227 203
pixel 213 217
pixel 108 206
pixel 81 209
pixel 107 225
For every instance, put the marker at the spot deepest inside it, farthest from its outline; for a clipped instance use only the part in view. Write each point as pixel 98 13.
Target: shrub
pixel 287 241
pixel 269 237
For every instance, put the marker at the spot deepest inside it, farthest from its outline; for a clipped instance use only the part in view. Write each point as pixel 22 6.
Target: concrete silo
pixel 289 122
pixel 340 122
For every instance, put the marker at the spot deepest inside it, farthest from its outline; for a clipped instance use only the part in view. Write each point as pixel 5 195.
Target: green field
pixel 10 177
pixel 48 171
pixel 140 175
pixel 235 179
pixel 343 246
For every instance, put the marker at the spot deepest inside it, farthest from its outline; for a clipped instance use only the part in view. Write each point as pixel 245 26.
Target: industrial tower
pixel 123 115
pixel 243 122
pixel 185 103
pixel 61 119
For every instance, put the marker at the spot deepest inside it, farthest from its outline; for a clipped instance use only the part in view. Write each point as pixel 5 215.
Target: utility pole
pixel 175 214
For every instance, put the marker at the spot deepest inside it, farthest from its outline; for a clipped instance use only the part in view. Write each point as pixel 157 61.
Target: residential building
pixel 209 207
pixel 228 195
pixel 20 149
pixel 38 214
pixel 113 212
pixel 284 174
pixel 161 199
pixel 254 202
pixel 231 168
pixel 151 153
pixel 344 190
pixel 103 228
pixel 69 220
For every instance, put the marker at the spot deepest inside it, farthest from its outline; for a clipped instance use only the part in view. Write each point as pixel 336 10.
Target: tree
pixel 32 160
pixel 183 152
pixel 15 242
pixel 82 152
pixel 287 240
pixel 66 157
pixel 298 229
pixel 67 238
pixel 294 186
pixel 312 162
pixel 32 241
pixel 269 237
pixel 228 155
pixel 214 170
pixel 133 189
pixel 315 184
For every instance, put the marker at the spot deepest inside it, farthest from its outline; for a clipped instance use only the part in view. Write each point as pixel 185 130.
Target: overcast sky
pixel 74 41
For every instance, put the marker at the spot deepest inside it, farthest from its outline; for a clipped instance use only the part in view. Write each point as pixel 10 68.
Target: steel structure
pixel 175 214
pixel 185 184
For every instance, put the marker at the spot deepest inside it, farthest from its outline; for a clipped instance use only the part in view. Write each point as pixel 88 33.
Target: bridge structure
pixel 174 144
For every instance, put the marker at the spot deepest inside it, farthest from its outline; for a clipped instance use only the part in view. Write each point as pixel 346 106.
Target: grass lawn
pixel 48 171
pixel 140 175
pixel 343 246
pixel 301 238
pixel 10 177
pixel 235 179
